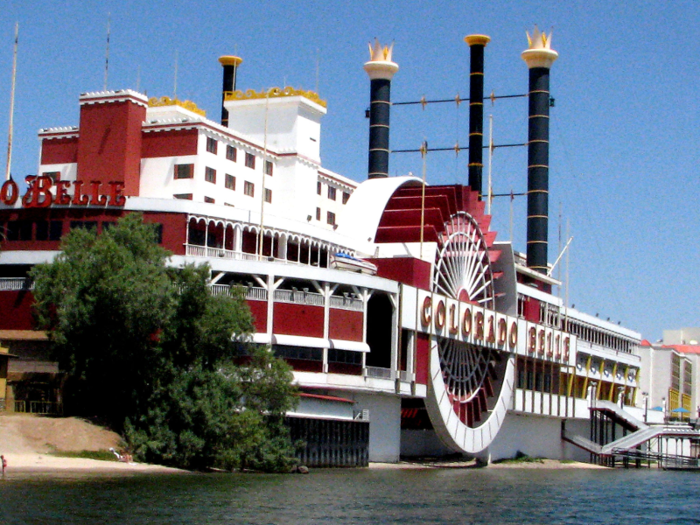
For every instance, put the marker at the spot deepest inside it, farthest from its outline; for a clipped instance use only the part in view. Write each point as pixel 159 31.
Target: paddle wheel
pixel 469 384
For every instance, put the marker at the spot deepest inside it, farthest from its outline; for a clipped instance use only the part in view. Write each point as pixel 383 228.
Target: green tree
pixel 153 353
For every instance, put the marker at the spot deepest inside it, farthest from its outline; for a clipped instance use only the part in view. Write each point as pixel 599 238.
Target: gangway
pixel 637 445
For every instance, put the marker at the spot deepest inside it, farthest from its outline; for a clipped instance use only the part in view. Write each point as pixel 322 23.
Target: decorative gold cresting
pixel 539 52
pixel 167 101
pixel 288 91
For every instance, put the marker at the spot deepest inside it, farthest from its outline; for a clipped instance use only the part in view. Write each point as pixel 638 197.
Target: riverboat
pixel 444 340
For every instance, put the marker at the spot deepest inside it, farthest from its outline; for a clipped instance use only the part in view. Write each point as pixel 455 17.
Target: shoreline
pixel 46 464
pixel 551 464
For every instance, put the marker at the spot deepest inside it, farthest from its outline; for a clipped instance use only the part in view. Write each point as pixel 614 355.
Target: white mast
pixel 12 105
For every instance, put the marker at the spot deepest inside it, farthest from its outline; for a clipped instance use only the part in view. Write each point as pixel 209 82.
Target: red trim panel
pixel 59 151
pixel 259 311
pixel 423 359
pixel 298 319
pixel 169 143
pixel 345 325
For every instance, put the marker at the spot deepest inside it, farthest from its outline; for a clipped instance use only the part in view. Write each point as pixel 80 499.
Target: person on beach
pixel 4 465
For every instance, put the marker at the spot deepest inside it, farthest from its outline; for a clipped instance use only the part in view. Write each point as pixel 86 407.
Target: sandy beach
pixel 34 444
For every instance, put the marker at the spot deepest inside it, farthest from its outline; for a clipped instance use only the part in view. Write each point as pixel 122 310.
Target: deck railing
pixel 15 284
pixel 347 303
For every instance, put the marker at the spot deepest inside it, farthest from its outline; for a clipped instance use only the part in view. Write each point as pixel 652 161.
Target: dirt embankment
pixel 25 434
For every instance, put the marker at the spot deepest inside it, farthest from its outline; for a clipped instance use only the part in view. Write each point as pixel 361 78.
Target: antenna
pixel 12 104
pixel 175 79
pixel 109 23
pixel 318 67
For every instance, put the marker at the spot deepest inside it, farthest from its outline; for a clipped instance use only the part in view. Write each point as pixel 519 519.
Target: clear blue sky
pixel 625 139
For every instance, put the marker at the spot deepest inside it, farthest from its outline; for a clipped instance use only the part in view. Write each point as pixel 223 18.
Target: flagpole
pixel 12 105
pixel 512 198
pixel 109 23
pixel 424 153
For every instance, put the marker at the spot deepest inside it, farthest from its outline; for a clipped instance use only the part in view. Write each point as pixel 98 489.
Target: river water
pixel 448 496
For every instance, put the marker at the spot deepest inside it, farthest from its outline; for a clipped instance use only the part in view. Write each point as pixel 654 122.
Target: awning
pixel 353 346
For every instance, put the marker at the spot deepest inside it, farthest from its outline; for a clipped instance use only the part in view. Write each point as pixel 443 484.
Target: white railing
pixel 15 283
pixel 256 294
pixel 379 373
pixel 220 253
pixel 299 297
pixel 347 303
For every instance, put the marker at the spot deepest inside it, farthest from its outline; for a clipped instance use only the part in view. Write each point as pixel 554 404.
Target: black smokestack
pixel 539 58
pixel 230 64
pixel 476 43
pixel 381 70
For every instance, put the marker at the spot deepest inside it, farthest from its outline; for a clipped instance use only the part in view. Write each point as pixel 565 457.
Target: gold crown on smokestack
pixel 380 64
pixel 539 52
pixel 379 53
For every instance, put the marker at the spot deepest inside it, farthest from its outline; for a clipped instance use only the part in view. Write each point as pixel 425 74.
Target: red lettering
pixel 78 198
pixel 9 193
pixel 38 194
pixel 491 337
pixel 62 198
pixel 467 322
pixel 454 319
pixel 479 336
pixel 532 340
pixel 427 314
pixel 540 341
pixel 513 339
pixel 440 315
pixel 502 331
pixel 97 198
pixel 116 194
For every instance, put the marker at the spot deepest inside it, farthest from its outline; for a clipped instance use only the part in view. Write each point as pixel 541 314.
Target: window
pixel 210 175
pixel 19 231
pixel 250 161
pixel 249 189
pixel 211 145
pixel 268 195
pixel 209 200
pixel 231 152
pixel 53 175
pixel 318 214
pixel 230 182
pixel 318 188
pixel 330 218
pixel 85 225
pixel 268 168
pixel 346 197
pixel 184 196
pixel 331 193
pixel 184 171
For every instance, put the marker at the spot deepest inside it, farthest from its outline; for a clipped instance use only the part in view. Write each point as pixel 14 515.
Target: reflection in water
pixel 358 497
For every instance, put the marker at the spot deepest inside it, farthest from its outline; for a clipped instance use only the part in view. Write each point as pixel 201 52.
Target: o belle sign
pixel 43 192
pixel 445 317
